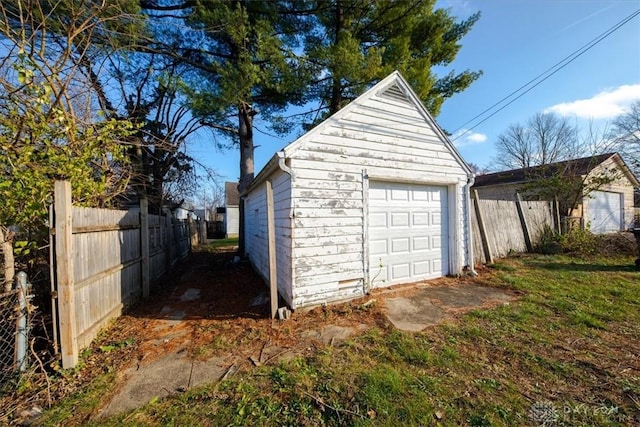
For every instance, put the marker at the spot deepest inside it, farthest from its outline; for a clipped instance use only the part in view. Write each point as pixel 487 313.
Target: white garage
pixel 606 213
pixel 374 196
pixel 407 233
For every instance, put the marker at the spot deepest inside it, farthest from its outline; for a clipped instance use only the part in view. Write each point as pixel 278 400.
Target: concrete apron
pixel 418 308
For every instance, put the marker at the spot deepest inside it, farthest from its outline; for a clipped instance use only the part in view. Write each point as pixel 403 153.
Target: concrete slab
pixel 413 314
pixel 430 305
pixel 171 374
pixel 190 294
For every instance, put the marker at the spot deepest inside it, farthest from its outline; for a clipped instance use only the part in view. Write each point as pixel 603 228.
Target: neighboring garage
pixel 376 195
pixel 606 206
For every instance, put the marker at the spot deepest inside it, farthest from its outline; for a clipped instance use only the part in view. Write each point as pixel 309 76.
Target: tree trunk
pixel 7 261
pixel 336 84
pixel 245 131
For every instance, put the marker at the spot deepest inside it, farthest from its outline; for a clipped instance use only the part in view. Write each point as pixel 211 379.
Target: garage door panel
pixel 437 266
pixel 400 246
pixel 400 272
pixel 420 218
pixel 378 219
pixel 415 232
pixel 421 268
pixel 421 243
pixel 378 247
pixel 377 194
pixel 436 219
pixel 420 195
pixel 399 194
pixel 399 219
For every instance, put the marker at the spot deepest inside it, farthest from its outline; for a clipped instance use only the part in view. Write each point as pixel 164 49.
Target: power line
pixel 550 71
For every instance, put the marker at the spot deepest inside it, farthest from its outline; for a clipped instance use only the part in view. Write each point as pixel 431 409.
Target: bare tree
pixel 546 138
pixel 626 136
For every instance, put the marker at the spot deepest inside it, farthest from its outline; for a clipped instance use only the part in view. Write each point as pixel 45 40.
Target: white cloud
pixel 464 137
pixel 604 105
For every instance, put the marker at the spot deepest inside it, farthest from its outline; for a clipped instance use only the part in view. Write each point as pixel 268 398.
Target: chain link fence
pixel 14 331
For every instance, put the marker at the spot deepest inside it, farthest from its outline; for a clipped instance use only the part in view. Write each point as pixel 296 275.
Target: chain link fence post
pixel 22 329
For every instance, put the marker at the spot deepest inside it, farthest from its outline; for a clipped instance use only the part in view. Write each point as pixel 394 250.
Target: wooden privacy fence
pixel 504 226
pixel 103 260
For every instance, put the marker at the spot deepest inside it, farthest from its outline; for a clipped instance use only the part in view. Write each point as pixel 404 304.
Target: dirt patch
pixel 213 320
pixel 210 319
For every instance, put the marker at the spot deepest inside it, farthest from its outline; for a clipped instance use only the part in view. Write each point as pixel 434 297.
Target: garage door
pixel 408 233
pixel 605 212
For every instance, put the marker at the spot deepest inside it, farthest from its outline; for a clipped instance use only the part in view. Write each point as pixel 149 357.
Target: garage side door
pixel 408 233
pixel 605 212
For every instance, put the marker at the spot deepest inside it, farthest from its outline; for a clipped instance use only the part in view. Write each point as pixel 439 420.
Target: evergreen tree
pixel 358 42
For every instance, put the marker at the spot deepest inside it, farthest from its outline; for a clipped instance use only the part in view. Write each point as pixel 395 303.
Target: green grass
pixel 216 244
pixel 565 353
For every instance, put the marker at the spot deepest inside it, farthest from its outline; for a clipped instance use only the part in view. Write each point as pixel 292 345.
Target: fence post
pixel 555 211
pixel 144 246
pixel 483 231
pixel 169 225
pixel 64 273
pixel 523 221
pixel 271 249
pixel 22 330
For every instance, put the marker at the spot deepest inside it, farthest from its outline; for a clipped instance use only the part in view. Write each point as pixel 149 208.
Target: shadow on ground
pixel 587 267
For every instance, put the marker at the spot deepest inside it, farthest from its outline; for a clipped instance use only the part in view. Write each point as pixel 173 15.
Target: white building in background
pixel 232 209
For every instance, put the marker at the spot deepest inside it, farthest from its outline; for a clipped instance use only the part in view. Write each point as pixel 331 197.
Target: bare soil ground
pixel 213 314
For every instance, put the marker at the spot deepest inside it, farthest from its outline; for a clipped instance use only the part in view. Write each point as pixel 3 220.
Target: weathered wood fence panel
pixel 504 229
pixel 478 250
pixel 100 264
pixel 539 214
pixel 106 262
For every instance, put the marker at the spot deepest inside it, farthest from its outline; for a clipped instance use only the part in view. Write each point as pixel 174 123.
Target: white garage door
pixel 605 212
pixel 408 233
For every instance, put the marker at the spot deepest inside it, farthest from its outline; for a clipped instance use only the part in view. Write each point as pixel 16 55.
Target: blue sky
pixel 513 42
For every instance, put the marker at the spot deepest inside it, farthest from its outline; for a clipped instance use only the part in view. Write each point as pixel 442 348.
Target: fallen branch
pixel 276 355
pixel 333 408
pixel 262 351
pixel 44 372
pixel 228 372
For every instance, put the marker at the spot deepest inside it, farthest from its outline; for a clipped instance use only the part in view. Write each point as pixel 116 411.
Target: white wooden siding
pixel 392 141
pixel 256 231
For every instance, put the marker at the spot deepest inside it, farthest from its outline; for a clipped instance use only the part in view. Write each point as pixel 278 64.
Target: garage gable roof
pixel 575 167
pixel 393 87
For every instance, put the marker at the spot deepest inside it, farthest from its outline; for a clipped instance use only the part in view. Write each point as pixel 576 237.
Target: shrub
pixel 576 242
pixel 548 241
pixel 579 242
